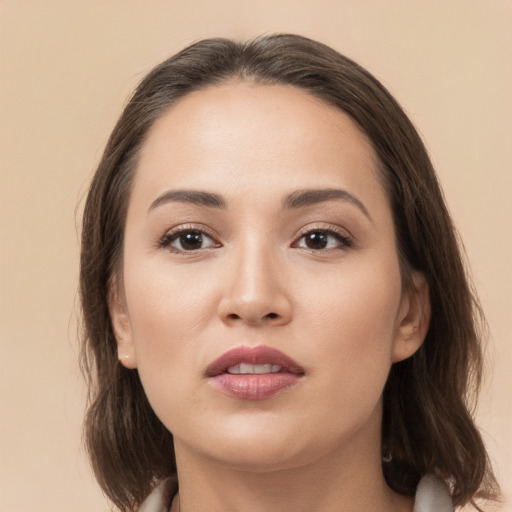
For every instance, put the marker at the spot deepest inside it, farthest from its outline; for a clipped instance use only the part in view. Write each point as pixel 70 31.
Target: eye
pixel 187 240
pixel 323 239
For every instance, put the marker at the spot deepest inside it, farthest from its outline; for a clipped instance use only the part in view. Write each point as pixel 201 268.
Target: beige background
pixel 66 68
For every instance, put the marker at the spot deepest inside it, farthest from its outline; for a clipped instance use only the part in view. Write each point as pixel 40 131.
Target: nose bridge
pixel 254 291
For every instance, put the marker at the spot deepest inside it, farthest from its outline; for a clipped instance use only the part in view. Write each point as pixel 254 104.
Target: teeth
pixel 251 369
pixel 247 368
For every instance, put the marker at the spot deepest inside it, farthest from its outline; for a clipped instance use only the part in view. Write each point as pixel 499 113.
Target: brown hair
pixel 427 421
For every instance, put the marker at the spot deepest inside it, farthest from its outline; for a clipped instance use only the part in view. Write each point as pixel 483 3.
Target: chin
pixel 266 445
pixel 260 443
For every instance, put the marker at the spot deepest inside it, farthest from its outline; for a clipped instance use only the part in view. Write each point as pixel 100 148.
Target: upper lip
pixel 253 355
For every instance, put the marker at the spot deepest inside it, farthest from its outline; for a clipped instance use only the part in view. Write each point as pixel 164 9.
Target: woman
pixel 276 311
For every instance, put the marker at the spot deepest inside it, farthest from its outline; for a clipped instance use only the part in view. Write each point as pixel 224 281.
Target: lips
pixel 253 373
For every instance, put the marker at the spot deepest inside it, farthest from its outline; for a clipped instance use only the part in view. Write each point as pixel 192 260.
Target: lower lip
pixel 254 387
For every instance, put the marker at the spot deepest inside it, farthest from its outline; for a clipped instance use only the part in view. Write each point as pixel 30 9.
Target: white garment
pixel 160 498
pixel 431 496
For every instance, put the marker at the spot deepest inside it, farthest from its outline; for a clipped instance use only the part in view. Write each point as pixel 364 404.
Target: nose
pixel 255 291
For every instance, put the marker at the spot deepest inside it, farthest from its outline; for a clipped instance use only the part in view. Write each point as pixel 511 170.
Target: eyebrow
pixel 302 198
pixel 197 197
pixel 295 200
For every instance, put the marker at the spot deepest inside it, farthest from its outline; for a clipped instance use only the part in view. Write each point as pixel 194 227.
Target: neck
pixel 349 481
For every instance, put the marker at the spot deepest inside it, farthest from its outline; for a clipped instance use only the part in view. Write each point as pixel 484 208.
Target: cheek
pixel 169 315
pixel 352 321
pixel 358 305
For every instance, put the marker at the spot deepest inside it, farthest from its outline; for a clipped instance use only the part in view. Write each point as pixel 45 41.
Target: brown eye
pixel 189 240
pixel 318 240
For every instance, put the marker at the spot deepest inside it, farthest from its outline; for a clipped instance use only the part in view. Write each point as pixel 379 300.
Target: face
pixel 261 298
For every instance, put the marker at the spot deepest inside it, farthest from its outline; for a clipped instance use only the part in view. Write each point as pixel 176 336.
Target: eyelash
pixel 165 242
pixel 346 241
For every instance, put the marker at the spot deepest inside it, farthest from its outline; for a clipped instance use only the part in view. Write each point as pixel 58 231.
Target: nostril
pixel 252 317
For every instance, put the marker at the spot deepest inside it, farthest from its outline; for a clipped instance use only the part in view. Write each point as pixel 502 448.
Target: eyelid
pixel 345 237
pixel 171 234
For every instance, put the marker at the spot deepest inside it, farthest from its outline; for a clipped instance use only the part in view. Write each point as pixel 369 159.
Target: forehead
pixel 244 134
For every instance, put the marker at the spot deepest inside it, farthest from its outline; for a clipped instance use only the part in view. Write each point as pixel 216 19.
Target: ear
pixel 121 325
pixel 414 318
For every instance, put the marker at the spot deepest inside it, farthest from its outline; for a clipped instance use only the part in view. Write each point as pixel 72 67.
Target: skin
pixel 341 311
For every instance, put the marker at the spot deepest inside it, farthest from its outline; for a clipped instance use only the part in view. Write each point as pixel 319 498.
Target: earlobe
pixel 414 318
pixel 121 325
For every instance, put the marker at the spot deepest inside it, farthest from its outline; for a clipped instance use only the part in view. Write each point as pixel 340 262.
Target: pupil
pixel 316 240
pixel 191 241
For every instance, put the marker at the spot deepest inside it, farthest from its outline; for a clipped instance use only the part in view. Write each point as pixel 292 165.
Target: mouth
pixel 253 373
